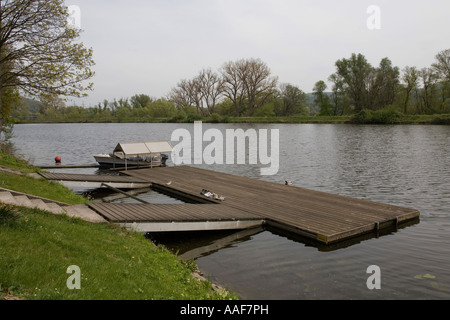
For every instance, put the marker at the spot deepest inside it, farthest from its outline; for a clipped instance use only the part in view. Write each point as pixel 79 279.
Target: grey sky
pixel 149 46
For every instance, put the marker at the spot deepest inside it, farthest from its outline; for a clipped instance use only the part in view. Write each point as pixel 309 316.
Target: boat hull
pixel 105 160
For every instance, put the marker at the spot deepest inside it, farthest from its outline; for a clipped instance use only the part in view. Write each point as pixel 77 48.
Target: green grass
pixel 15 163
pixel 40 187
pixel 215 118
pixel 293 119
pixel 37 187
pixel 375 117
pixel 38 247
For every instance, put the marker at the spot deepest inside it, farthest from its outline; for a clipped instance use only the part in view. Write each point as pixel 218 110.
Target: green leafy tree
pixel 162 108
pixel 442 64
pixel 339 98
pixel 442 68
pixel 366 86
pixel 293 100
pixel 428 78
pixel 322 99
pixel 140 100
pixel 386 85
pixel 9 98
pixel 39 52
pixel 410 79
pixel 354 73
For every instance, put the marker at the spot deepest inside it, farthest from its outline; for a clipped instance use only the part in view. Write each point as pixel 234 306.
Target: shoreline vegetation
pixel 246 91
pixel 363 117
pixel 115 264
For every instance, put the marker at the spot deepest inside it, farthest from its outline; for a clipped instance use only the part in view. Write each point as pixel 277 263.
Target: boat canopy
pixel 143 149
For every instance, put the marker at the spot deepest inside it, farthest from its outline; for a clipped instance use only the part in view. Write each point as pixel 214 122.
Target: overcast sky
pixel 148 46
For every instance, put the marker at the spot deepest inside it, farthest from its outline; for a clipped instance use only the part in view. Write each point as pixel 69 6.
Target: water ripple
pixel 403 165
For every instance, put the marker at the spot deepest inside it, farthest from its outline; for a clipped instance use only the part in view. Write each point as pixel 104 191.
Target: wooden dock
pixel 176 217
pixel 96 181
pixel 326 218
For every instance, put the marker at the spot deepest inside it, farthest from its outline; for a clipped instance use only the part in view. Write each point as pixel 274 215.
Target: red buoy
pixel 58 159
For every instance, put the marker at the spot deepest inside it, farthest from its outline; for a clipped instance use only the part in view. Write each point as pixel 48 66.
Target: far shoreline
pixel 434 119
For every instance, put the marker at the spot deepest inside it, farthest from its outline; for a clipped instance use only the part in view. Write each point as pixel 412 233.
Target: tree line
pixel 244 87
pixel 41 58
pixel 357 85
pixel 247 88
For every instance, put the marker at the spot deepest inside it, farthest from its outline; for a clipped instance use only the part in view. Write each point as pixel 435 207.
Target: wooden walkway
pixel 176 217
pixel 96 181
pixel 324 217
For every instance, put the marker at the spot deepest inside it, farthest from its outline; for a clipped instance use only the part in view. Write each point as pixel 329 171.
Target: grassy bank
pixel 23 182
pixel 372 117
pixel 366 117
pixel 37 248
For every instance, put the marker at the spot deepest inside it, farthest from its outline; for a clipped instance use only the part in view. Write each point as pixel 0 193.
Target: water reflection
pixel 194 245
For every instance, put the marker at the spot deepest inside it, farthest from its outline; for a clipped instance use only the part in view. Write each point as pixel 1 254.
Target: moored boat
pixel 133 154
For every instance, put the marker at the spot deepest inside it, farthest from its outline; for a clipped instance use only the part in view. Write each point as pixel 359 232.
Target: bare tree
pixel 259 84
pixel 248 81
pixel 210 86
pixel 233 75
pixel 180 95
pixel 189 93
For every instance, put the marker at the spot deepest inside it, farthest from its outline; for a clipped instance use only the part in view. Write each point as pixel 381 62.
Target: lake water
pixel 405 165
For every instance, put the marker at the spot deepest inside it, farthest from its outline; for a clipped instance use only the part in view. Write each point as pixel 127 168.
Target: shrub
pixel 193 117
pixel 386 115
pixel 441 119
pixel 364 116
pixel 180 116
pixel 215 118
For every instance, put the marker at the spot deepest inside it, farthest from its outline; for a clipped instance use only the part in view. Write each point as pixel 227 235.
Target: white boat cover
pixel 143 148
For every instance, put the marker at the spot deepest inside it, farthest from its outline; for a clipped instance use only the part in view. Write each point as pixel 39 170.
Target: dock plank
pixel 126 212
pixel 327 217
pixel 91 177
pixel 96 181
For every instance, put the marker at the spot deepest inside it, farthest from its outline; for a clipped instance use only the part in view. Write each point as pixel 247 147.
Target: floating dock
pixel 326 218
pixel 176 217
pixel 96 181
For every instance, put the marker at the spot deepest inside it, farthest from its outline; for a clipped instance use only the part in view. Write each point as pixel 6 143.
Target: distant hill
pixel 31 105
pixel 26 109
pixel 313 108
